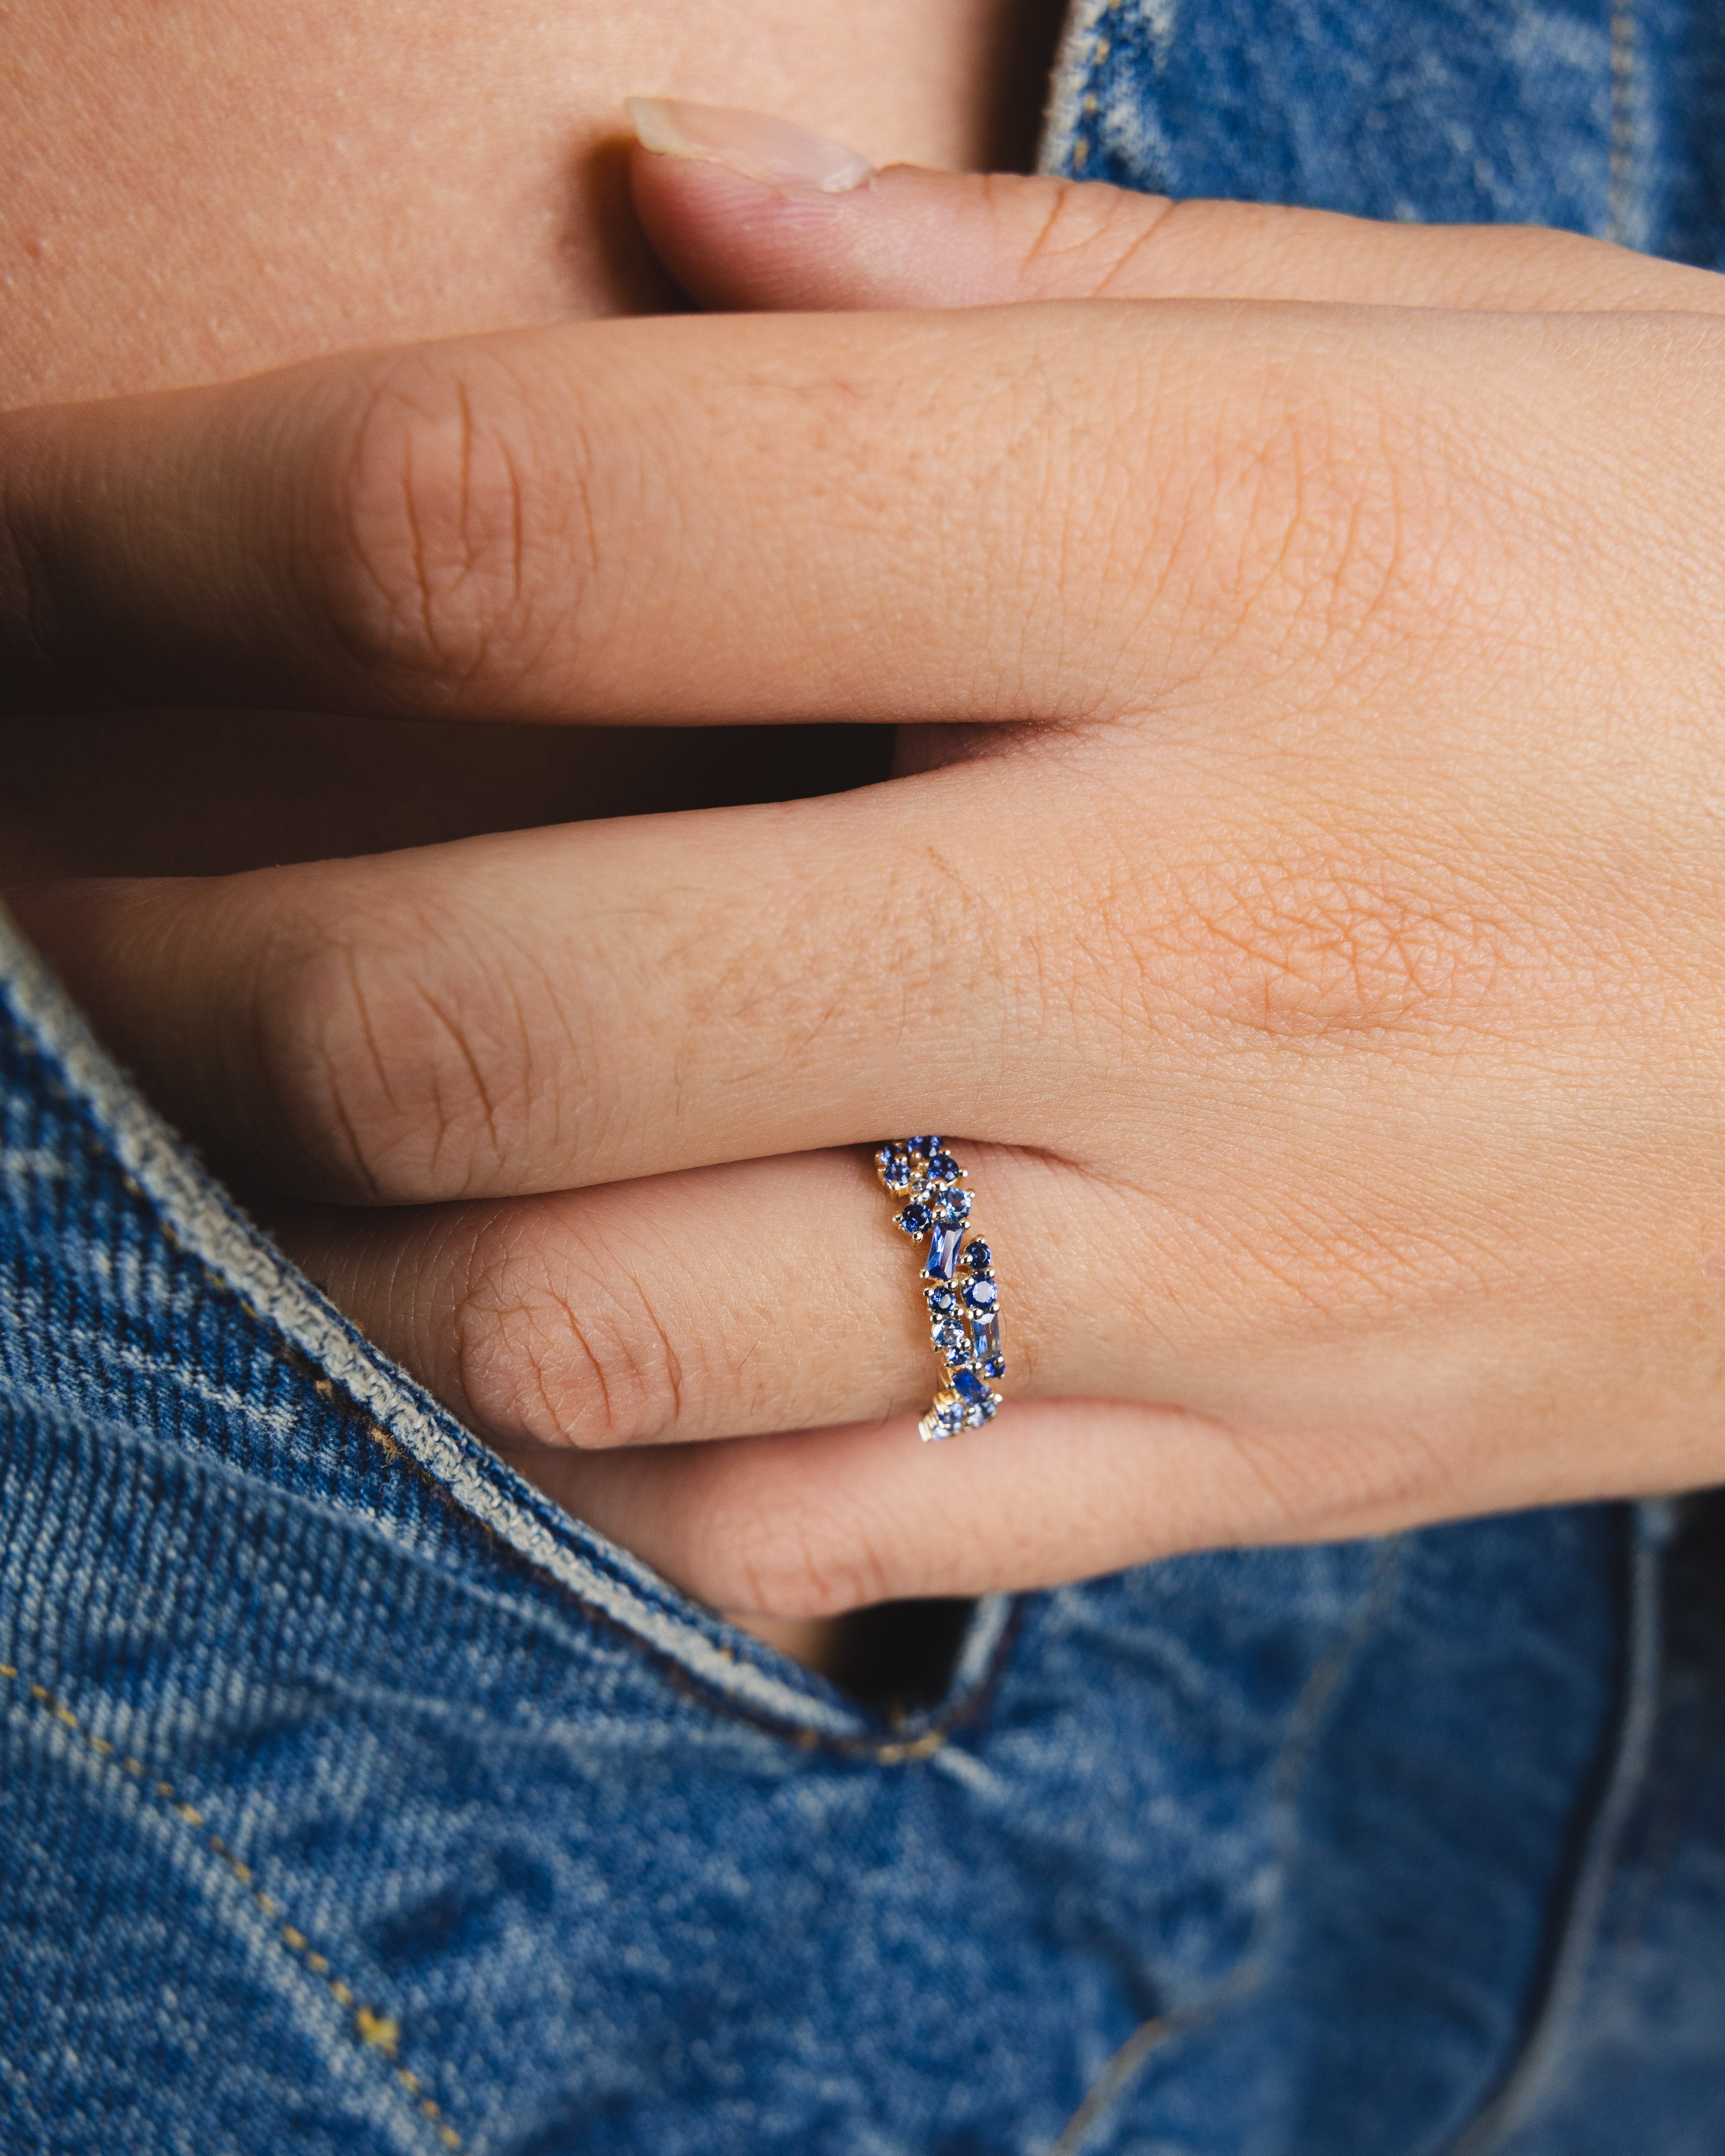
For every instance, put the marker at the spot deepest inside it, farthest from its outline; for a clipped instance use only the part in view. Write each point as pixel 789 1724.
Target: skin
pixel 1299 886
pixel 193 192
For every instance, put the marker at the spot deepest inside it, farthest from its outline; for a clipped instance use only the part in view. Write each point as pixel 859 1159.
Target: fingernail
pixel 753 143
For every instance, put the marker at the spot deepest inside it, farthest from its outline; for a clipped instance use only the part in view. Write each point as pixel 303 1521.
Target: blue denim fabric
pixel 356 1798
pixel 352 1797
pixel 1605 116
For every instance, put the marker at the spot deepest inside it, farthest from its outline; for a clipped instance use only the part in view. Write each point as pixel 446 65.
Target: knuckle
pixel 395 1064
pixel 435 523
pixel 561 1347
pixel 783 1554
pixel 1097 239
pixel 1314 945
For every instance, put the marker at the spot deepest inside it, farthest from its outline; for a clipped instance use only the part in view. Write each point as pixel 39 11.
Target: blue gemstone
pixel 995 1367
pixel 924 1146
pixel 917 1220
pixel 983 1411
pixel 985 1331
pixel 942 1168
pixel 942 1302
pixel 952 1208
pixel 945 1419
pixel 942 1259
pixel 981 1295
pixel 895 1169
pixel 978 1257
pixel 948 1338
pixel 970 1389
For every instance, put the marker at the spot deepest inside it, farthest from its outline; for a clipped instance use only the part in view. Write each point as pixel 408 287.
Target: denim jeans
pixel 355 1798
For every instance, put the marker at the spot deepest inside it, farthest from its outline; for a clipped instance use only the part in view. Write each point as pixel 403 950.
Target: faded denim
pixel 354 1798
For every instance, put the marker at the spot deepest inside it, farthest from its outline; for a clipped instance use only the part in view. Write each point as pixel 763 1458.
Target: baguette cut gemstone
pixel 985 1337
pixel 942 1261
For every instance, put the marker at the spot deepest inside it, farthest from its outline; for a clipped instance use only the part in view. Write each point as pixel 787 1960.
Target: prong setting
pixel 961 1293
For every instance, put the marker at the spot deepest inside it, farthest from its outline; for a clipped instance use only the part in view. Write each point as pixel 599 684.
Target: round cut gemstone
pixel 948 1338
pixel 924 1146
pixel 952 1207
pixel 981 1295
pixel 995 1367
pixel 942 1168
pixel 942 1302
pixel 983 1411
pixel 894 1169
pixel 915 1219
pixel 978 1257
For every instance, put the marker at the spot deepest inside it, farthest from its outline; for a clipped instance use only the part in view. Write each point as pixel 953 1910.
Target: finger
pixel 657 522
pixel 747 212
pixel 546 1010
pixel 755 1297
pixel 812 1524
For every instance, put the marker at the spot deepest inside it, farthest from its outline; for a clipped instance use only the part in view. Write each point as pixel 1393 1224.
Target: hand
pixel 1300 896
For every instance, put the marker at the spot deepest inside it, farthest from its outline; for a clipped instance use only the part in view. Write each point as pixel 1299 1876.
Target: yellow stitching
pixel 920 1747
pixel 381 2032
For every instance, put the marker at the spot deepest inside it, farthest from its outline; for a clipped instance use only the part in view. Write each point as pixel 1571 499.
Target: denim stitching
pixel 1286 1776
pixel 192 1214
pixel 378 2032
pixel 1072 98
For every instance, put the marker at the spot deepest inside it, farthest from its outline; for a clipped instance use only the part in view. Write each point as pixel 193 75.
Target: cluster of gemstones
pixel 962 1296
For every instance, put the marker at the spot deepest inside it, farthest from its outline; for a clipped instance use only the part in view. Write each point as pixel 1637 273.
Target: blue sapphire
pixel 915 1221
pixel 942 1168
pixel 995 1367
pixel 978 1257
pixel 924 1146
pixel 945 1419
pixel 942 1302
pixel 981 1295
pixel 949 1337
pixel 985 1331
pixel 942 1259
pixel 952 1208
pixel 894 1169
pixel 983 1411
pixel 974 1393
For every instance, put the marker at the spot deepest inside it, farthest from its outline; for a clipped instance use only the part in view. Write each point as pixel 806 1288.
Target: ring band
pixel 962 1296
